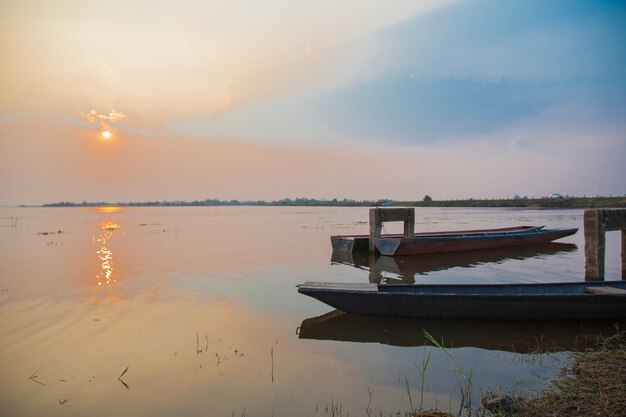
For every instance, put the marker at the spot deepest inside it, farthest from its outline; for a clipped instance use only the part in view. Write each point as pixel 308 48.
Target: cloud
pixel 521 40
pixel 168 62
pixel 480 66
pixel 407 109
pixel 113 117
pixel 467 69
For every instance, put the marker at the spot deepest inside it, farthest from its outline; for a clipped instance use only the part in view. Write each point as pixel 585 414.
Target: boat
pixel 519 336
pixel 442 242
pixel 584 300
pixel 405 269
pixel 351 243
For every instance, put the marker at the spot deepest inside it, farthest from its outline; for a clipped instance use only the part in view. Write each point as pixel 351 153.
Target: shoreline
pixel 594 384
pixel 527 203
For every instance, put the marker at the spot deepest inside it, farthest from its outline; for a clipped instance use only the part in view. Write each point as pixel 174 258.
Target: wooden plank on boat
pixel 605 290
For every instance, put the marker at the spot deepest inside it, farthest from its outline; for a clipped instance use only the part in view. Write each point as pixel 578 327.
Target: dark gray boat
pixel 584 300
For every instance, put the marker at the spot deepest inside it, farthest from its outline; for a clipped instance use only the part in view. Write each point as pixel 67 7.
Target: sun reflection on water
pixel 105 275
pixel 109 209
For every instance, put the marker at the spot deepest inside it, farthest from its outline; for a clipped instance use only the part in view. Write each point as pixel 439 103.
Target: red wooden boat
pixel 455 241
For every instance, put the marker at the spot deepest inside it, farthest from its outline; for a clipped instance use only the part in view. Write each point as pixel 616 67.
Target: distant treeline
pixel 521 202
pixel 215 202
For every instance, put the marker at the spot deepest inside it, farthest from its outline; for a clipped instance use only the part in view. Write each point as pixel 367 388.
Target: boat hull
pixel 360 243
pixel 495 301
pixel 420 245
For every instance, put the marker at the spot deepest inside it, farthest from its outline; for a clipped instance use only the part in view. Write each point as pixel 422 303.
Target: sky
pixel 356 99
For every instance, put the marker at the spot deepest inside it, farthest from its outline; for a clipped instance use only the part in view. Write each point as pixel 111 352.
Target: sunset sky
pixel 279 99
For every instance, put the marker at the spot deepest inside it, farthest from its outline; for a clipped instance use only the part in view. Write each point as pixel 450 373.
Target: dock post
pixel 623 254
pixel 379 215
pixel 375 228
pixel 597 223
pixel 594 245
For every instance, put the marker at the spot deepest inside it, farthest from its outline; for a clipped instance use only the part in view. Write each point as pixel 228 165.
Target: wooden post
pixel 597 223
pixel 380 215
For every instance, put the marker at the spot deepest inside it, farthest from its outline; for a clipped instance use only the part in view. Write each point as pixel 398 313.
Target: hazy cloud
pixel 113 117
pixel 168 62
pixel 406 109
pixel 471 68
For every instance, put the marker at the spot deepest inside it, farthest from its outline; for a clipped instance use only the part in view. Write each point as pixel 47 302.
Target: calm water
pixel 199 306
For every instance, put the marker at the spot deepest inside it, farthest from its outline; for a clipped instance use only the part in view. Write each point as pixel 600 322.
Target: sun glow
pixel 106 134
pixel 109 209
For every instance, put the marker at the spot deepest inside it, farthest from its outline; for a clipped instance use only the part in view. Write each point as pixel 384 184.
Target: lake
pixel 194 311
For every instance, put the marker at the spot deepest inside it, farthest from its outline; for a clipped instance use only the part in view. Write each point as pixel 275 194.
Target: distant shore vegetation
pixel 523 202
pixel 427 201
pixel 216 202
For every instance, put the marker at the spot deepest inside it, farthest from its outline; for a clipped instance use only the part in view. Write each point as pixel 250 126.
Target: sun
pixel 106 134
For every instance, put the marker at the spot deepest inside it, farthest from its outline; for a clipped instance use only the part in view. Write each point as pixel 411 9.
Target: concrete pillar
pixel 624 255
pixel 380 215
pixel 594 245
pixel 409 225
pixel 375 228
pixel 597 223
pixel 376 273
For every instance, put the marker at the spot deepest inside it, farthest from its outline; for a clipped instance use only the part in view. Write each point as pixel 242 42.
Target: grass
pixel 407 389
pixel 422 372
pixel 594 385
pixel 370 392
pixel 464 377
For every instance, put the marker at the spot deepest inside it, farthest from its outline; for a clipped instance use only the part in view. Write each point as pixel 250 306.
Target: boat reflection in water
pixel 517 336
pixel 406 267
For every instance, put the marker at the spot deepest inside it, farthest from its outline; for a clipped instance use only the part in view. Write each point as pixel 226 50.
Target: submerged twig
pixel 33 377
pixel 119 378
pixel 122 374
pixel 63 403
pixel 272 356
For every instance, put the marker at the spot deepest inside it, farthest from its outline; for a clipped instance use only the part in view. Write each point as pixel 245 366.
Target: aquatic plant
pixel 422 372
pixel 370 393
pixel 407 389
pixel 464 377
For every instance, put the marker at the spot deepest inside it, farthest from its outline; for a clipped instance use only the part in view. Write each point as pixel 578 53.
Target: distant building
pixel 556 195
pixel 384 203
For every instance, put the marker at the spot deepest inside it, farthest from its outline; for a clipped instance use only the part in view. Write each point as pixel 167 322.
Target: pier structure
pixel 380 215
pixel 597 223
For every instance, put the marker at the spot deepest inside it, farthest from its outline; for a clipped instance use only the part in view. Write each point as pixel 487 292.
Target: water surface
pixel 198 306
